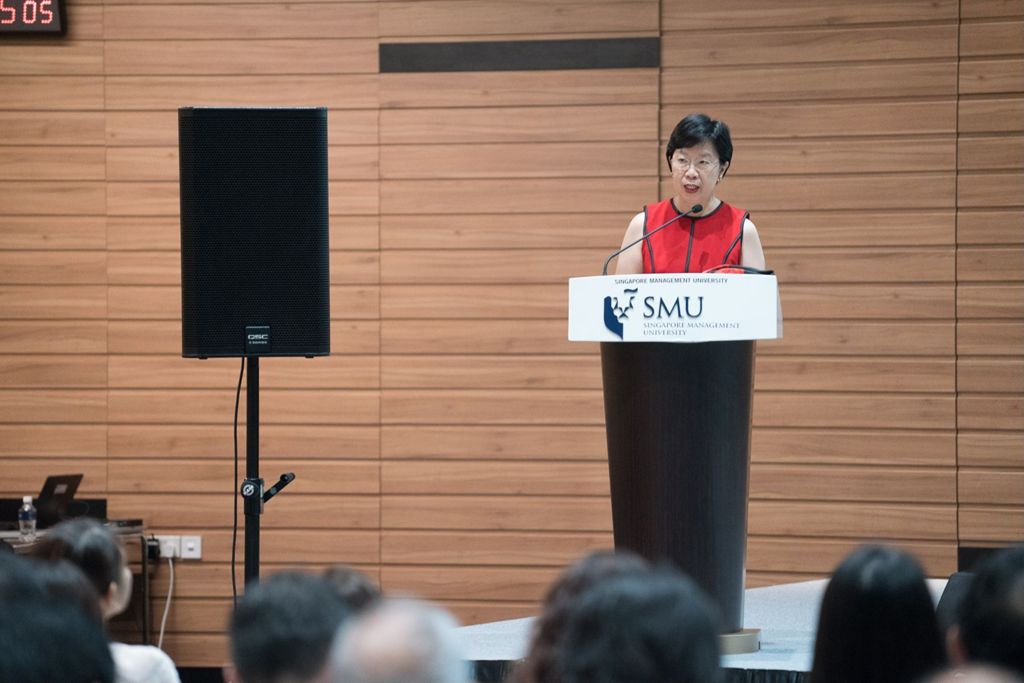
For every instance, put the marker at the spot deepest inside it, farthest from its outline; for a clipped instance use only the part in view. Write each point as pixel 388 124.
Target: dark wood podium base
pixel 678 419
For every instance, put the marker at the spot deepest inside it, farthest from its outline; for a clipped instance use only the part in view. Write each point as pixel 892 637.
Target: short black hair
pixel 284 627
pixel 877 621
pixel 355 588
pixel 699 128
pixel 44 639
pixel 541 663
pixel 656 627
pixel 991 617
pixel 88 545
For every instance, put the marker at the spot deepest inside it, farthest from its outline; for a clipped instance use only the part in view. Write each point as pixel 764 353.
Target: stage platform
pixel 786 614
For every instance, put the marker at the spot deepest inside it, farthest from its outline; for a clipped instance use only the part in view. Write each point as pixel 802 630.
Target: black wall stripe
pixel 521 55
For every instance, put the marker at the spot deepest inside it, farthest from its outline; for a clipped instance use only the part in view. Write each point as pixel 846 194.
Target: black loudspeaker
pixel 255 261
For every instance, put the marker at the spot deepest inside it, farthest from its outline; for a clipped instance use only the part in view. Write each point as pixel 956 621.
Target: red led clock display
pixel 32 16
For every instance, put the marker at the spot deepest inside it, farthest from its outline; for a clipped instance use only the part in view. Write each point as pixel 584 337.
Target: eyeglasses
pixel 702 166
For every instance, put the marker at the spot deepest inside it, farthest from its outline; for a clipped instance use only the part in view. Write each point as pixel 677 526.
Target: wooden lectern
pixel 677 356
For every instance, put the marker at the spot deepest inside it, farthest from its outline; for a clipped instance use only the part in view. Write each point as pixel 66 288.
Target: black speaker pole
pixel 252 487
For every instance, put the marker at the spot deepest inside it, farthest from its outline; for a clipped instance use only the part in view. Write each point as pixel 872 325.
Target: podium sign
pixel 690 307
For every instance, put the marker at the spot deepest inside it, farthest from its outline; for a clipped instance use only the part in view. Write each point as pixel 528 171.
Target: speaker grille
pixel 254 230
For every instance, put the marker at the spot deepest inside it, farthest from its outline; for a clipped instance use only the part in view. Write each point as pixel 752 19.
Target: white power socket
pixel 170 546
pixel 191 547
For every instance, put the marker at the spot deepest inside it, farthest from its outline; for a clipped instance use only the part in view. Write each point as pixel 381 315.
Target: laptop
pixel 55 498
pixel 52 503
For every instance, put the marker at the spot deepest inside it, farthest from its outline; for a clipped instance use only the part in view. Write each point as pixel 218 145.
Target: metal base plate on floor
pixel 740 643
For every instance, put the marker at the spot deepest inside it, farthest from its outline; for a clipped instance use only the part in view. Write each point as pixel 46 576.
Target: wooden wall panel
pixel 990 264
pixel 454 443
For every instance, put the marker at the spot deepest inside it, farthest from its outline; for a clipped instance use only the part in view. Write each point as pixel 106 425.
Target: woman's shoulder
pixel 143 663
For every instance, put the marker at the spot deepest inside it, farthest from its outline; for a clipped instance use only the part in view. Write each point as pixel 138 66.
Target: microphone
pixel 696 208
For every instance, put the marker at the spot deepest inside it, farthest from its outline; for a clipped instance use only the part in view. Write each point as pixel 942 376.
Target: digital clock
pixel 32 16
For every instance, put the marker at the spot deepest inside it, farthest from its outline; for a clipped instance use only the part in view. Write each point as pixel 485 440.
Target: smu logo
pixel 615 313
pixel 654 308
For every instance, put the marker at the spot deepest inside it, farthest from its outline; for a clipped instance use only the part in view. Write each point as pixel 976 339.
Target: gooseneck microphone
pixel 696 208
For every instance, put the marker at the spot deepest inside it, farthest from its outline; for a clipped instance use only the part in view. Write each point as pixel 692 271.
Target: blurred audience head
pixel 44 635
pixel 282 629
pixel 91 547
pixel 356 589
pixel 975 674
pixel 990 623
pixel 541 665
pixel 652 627
pixel 65 582
pixel 877 621
pixel 400 640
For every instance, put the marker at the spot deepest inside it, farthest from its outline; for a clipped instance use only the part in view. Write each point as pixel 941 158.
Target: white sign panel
pixel 674 308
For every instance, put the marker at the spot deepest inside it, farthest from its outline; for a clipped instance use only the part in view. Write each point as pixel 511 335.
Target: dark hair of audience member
pixel 356 589
pixel 540 665
pixel 991 618
pixel 87 545
pixel 877 621
pixel 643 628
pixel 283 627
pixel 44 638
pixel 65 582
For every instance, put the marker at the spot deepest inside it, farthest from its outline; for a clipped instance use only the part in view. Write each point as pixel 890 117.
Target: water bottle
pixel 27 520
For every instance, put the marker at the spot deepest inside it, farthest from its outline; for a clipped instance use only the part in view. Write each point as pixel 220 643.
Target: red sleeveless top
pixel 692 245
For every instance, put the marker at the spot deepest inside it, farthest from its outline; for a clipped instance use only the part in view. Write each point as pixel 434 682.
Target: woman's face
pixel 696 172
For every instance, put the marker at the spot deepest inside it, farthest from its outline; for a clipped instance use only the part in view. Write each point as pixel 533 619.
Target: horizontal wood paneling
pixel 977 226
pixel 213 441
pixel 53 405
pixel 223 21
pixel 53 267
pixel 991 486
pixel 53 302
pixel 518 88
pixel 490 17
pixel 56 440
pixel 27 475
pixel 937 448
pixel 63 93
pixel 45 128
pixel 802 45
pixel 527 442
pixel 52 232
pixel 812 82
pixel 989 301
pixel 989 449
pixel 195 406
pixel 782 119
pixel 557 124
pixel 213 476
pixel 990 524
pixel 174 372
pixel 242 57
pixel 38 371
pixel 51 197
pixel 682 17
pixel 213 510
pixel 45 336
pixel 348 91
pixel 51 163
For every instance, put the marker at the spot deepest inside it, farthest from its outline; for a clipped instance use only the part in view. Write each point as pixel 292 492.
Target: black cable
pixel 235 492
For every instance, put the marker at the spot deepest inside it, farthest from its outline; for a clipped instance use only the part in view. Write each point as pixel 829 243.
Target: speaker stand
pixel 252 487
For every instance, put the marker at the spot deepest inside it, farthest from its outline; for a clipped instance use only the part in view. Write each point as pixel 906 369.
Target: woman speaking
pixel 693 230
